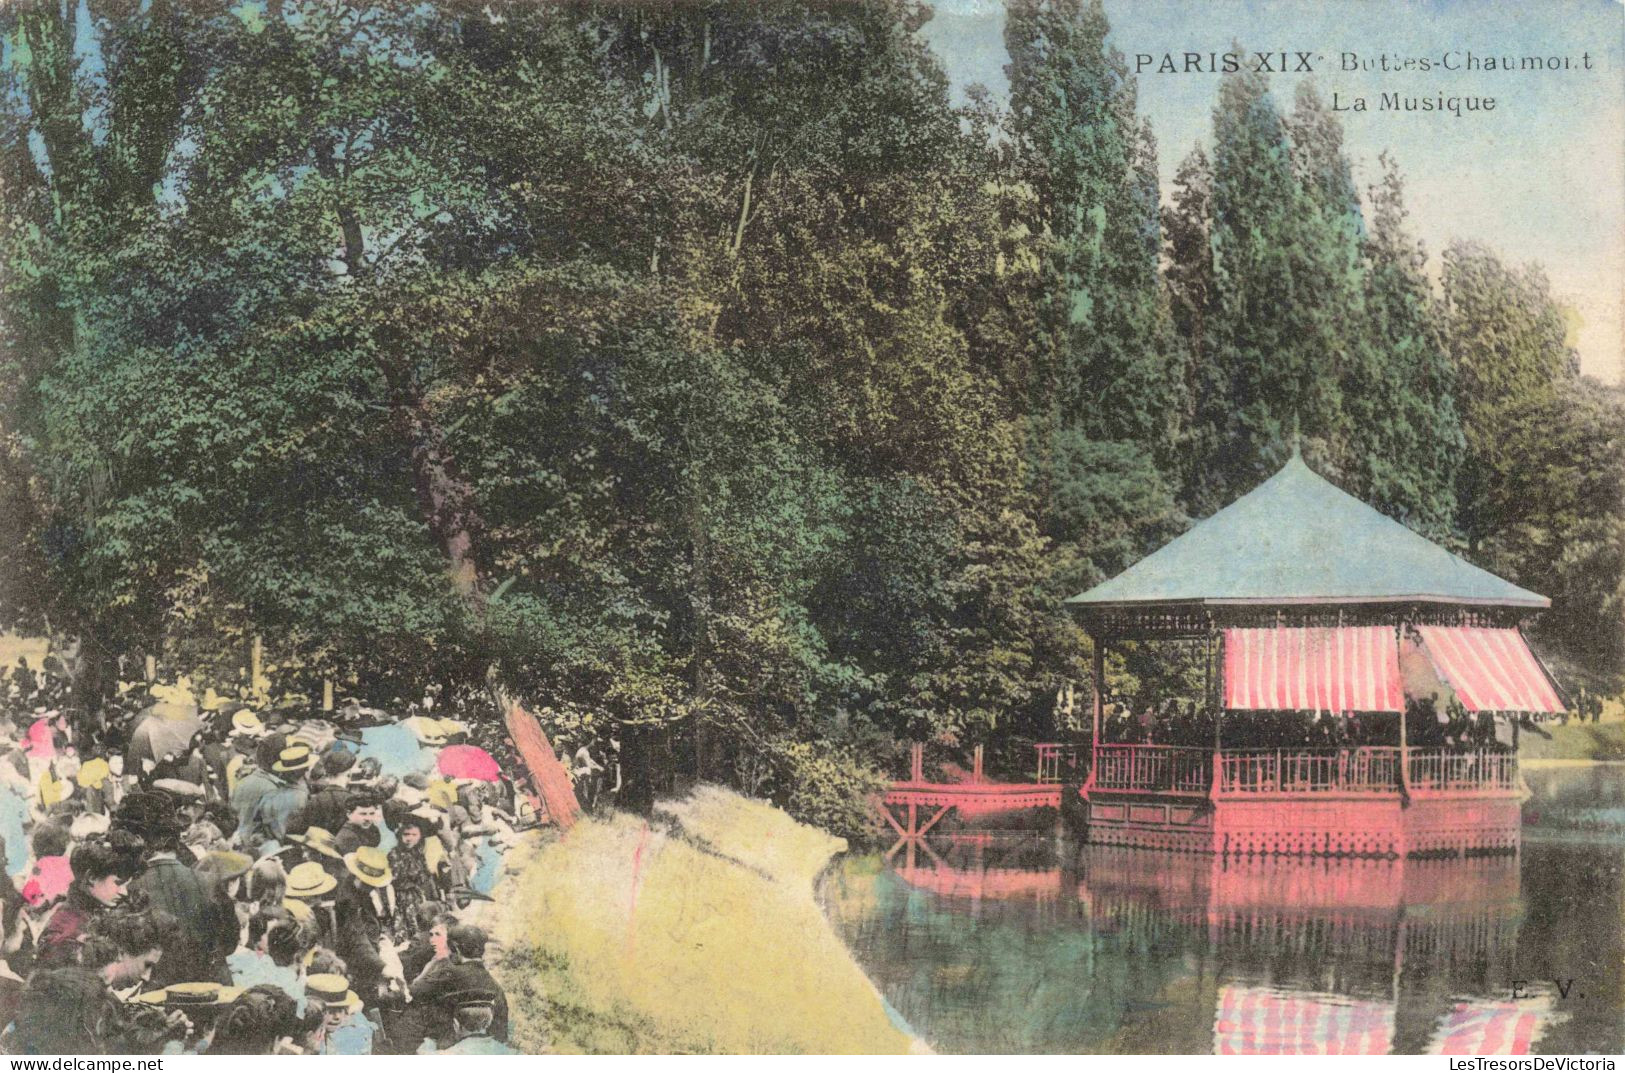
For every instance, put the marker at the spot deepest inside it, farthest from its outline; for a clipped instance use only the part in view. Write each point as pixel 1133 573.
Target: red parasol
pixel 468 762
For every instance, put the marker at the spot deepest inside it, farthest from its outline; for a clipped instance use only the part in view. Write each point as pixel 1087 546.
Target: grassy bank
pixel 697 931
pixel 1603 740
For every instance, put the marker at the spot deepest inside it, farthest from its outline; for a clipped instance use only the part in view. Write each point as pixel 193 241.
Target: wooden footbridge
pixel 905 804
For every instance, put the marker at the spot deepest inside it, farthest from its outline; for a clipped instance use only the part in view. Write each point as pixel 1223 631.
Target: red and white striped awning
pixel 1325 669
pixel 1264 1020
pixel 1490 669
pixel 1492 1027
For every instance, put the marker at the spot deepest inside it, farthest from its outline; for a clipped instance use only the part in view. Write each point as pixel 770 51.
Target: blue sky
pixel 1540 178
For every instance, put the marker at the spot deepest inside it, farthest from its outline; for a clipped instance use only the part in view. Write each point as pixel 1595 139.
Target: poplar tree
pixel 1251 380
pixel 1105 392
pixel 1542 480
pixel 1409 437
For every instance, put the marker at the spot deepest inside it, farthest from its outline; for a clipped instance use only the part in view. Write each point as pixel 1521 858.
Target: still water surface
pixel 1023 941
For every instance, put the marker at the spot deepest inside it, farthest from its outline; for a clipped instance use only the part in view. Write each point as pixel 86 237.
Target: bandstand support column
pixel 1096 707
pixel 1404 749
pixel 1217 700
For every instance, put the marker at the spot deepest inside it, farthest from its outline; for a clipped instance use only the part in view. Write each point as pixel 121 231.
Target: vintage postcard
pixel 842 527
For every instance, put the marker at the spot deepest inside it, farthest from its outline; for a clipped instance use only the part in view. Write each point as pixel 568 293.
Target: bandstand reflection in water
pixel 1021 942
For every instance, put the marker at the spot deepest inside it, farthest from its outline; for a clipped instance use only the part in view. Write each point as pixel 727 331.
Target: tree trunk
pixel 355 249
pixel 699 607
pixel 447 503
pixel 637 766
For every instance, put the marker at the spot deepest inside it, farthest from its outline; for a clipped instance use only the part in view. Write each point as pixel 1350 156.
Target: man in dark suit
pixel 209 934
pixel 463 970
pixel 330 792
pixel 366 905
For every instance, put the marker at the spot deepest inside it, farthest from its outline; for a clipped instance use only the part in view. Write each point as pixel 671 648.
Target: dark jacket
pixel 69 1010
pixel 208 931
pixel 327 808
pixel 359 928
pixel 351 837
pixel 444 978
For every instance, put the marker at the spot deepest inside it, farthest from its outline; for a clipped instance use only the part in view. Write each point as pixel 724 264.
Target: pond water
pixel 1020 940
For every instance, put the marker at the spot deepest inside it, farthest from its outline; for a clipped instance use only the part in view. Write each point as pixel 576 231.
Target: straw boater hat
pixel 331 991
pixel 295 756
pixel 370 865
pixel 318 840
pixel 244 721
pixel 301 911
pixel 310 880
pixel 201 993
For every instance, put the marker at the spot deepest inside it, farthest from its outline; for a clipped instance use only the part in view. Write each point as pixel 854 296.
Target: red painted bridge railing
pixel 1061 762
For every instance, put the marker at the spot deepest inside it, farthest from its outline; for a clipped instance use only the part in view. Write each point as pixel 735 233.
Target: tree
pixel 1410 431
pixel 1541 494
pixel 1107 368
pixel 1284 333
pixel 1507 341
pixel 1187 226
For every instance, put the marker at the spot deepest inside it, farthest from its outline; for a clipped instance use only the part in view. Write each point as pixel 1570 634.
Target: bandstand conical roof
pixel 1298 539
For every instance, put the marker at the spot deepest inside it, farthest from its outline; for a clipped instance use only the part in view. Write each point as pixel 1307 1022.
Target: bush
pixel 829 786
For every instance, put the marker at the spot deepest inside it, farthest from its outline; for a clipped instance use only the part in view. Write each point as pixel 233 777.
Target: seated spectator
pixel 463 969
pixel 472 1017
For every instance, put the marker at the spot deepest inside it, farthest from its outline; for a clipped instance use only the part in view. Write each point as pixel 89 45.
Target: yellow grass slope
pixel 697 931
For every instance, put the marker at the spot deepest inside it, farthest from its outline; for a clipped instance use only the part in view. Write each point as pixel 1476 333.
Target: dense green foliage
pixel 700 367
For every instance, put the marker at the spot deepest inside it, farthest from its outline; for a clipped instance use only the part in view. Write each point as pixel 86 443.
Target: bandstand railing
pixel 1365 769
pixel 1157 768
pixel 1368 769
pixel 1437 769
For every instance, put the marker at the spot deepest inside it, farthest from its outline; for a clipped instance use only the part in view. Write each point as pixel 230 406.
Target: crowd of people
pixel 1427 725
pixel 197 874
